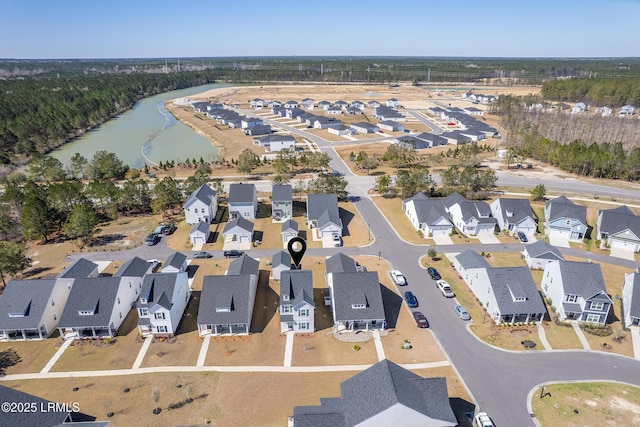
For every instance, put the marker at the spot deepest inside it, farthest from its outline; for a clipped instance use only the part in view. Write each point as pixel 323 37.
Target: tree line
pixel 614 92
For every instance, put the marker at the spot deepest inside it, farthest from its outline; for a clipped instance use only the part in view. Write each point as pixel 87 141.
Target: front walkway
pixel 288 349
pixel 635 337
pixel 583 340
pixel 378 343
pixel 142 352
pixel 203 350
pixel 543 336
pixel 54 359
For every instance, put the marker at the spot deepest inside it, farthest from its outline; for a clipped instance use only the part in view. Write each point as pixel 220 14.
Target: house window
pixel 599 306
pixel 162 328
pixel 593 318
pixel 356 306
pixel 571 298
pixel 285 297
pixel 304 312
pixel 120 313
pixel 119 298
pixel 568 222
pixel 159 315
pixel 53 303
pixel 303 326
pixel 55 317
pixel 144 312
pixel 286 309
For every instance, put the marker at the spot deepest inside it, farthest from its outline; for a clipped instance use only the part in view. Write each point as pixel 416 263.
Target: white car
pixel 398 278
pixel 337 241
pixel 483 420
pixel 444 287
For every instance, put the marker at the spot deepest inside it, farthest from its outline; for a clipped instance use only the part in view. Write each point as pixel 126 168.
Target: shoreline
pixel 222 149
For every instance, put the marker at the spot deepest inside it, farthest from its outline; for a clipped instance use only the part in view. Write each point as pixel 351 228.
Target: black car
pixel 233 254
pixel 522 237
pixel 152 239
pixel 168 229
pixel 199 255
pixel 433 273
pixel 411 299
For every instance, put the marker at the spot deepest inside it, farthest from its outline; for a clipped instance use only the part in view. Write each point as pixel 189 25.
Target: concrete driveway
pixel 442 240
pixel 558 241
pixel 488 238
pixel 623 253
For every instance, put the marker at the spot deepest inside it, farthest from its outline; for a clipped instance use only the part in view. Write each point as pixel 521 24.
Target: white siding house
pixel 162 302
pixel 631 300
pixel 427 215
pixel 202 205
pixel 565 219
pixel 297 308
pixel 243 201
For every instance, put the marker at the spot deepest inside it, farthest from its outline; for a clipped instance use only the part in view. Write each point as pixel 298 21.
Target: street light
pixel 369 226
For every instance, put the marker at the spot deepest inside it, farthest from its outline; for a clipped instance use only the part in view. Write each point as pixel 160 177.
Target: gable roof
pixel 509 283
pixel 158 288
pixel 619 219
pixel 634 304
pixel 82 267
pixel 357 288
pixel 281 258
pixel 44 418
pixel 225 300
pixel 340 263
pixel 97 294
pixel 282 193
pixel 519 209
pixel 323 208
pixel 289 225
pixel 542 249
pixel 471 259
pixel 581 278
pixel 428 211
pixel 241 193
pixel 243 265
pixel 175 260
pixel 135 267
pixel 240 223
pixel 562 207
pixel 297 285
pixel 23 302
pixel 204 194
pixel 202 227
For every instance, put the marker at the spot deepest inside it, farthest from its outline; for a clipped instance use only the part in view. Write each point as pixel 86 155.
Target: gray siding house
pixel 297 308
pixel 281 202
pixel 565 219
pixel 323 215
pixel 243 201
pixel 540 253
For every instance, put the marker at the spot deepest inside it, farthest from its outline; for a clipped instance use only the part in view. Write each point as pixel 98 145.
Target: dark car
pixel 233 254
pixel 433 273
pixel 152 239
pixel 421 320
pixel 411 299
pixel 168 229
pixel 522 237
pixel 199 255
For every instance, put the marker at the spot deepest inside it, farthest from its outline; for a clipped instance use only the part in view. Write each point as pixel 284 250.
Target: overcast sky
pixel 209 28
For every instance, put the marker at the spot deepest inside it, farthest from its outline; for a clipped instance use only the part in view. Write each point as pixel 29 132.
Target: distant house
pixel 619 228
pixel 393 103
pixel 293 113
pixel 579 107
pixel 323 215
pixel 289 230
pixel 386 113
pixel 540 253
pixel 473 111
pixel 358 104
pixel 390 125
pixel 627 110
pixel 427 215
pixel 258 130
pixel 577 291
pixel 249 122
pixel 324 104
pixel 565 219
pixel 307 104
pixel 201 205
pixel 507 293
pixel 364 127
pixel 297 308
pixel 382 395
pixel 470 218
pixel 243 201
pixel 631 299
pixel 279 111
pixel 272 104
pixel 514 215
pixel 176 263
pixel 605 111
pixel 238 230
pixel 352 111
pixel 276 142
pixel 373 104
pixel 199 234
pixel 334 110
pixel 81 268
pixel 341 104
pixel 162 302
pixel 340 130
pixel 256 103
pixel 291 104
pixel 427 140
pixel 281 202
pixel 280 262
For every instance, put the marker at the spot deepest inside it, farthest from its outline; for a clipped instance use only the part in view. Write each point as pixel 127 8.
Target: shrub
pixel 356 347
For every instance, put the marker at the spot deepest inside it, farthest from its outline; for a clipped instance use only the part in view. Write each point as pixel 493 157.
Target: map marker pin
pixel 297 247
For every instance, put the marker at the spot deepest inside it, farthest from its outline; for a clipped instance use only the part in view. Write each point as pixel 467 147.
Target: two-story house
pixel 281 202
pixel 202 205
pixel 577 291
pixel 619 228
pixel 427 215
pixel 243 201
pixel 297 307
pixel 565 220
pixel 514 215
pixel 162 302
pixel 470 218
pixel 631 299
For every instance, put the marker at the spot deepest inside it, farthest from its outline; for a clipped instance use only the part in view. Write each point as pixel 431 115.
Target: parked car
pixel 233 254
pixel 522 237
pixel 154 264
pixel 199 255
pixel 433 273
pixel 483 420
pixel 444 287
pixel 411 299
pixel 152 239
pixel 337 240
pixel 398 278
pixel 168 229
pixel 461 312
pixel 421 320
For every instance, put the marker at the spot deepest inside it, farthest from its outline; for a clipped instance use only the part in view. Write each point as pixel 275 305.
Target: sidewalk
pixel 56 356
pixel 580 334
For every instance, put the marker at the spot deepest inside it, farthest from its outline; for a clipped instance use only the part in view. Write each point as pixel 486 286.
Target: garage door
pixel 197 240
pixel 618 244
pixel 440 231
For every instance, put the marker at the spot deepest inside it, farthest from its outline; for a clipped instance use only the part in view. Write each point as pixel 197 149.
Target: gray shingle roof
pixel 231 293
pixel 244 265
pixel 282 193
pixel 386 384
pixel 97 294
pixel 634 304
pixel 542 249
pixel 27 297
pixel 175 260
pixel 202 227
pixel 298 286
pixel 515 210
pixel 154 286
pixel 619 219
pixel 241 193
pixel 241 223
pixel 289 225
pixel 340 263
pixel 323 208
pixel 357 288
pixel 135 267
pixel 39 418
pixel 81 268
pixel 330 413
pixel 582 278
pixel 204 193
pixel 515 282
pixel 429 211
pixel 561 207
pixel 471 259
pixel 281 258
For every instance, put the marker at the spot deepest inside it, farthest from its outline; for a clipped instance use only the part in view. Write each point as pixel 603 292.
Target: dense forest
pixel 594 91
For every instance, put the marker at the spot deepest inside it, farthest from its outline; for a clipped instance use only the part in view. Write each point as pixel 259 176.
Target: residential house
pixel 340 130
pixel 427 215
pixel 619 228
pixel 276 142
pixel 393 103
pixel 627 110
pixel 280 262
pixel 297 308
pixel 226 302
pixel 162 301
pixel 281 202
pixel 289 230
pixel 579 107
pixel 249 122
pixel 373 104
pixel 508 294
pixel 565 219
pixel 176 263
pixel 274 103
pixel 631 299
pixel 323 215
pixel 383 395
pixel 279 111
pixel 201 205
pixel 390 125
pixel 577 291
pixel 81 268
pixel 239 230
pixel 356 298
pixel 473 111
pixel 605 111
pixel 294 113
pixel 364 127
pixel 243 201
pixel 199 234
pixel 358 104
pixel 540 253
pixel 334 110
pixel 427 140
pixel 256 103
pixel 514 215
pixel 352 111
pixel 307 103
pixel 258 130
pixel 470 218
pixel 386 113
pixel 341 104
pixel 291 104
pixel 324 104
